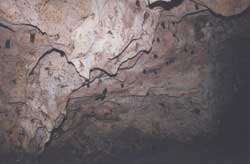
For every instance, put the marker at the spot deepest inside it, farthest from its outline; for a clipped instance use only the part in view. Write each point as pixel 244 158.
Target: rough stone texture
pixel 179 90
pixel 101 51
pixel 115 32
pixel 33 96
pixel 221 7
pixel 104 29
pixel 55 47
pixel 226 7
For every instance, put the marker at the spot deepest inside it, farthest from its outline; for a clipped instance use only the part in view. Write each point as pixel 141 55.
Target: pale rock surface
pixel 58 44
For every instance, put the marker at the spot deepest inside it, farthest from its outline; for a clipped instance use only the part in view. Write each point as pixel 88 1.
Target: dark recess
pixel 165 5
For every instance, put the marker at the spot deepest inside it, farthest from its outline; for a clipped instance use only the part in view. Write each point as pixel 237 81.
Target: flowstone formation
pixel 54 52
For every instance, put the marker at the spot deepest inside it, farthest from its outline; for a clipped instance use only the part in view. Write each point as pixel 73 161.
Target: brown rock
pixel 225 7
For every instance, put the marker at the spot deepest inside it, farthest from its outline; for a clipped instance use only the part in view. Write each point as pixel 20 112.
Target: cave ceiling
pixel 129 53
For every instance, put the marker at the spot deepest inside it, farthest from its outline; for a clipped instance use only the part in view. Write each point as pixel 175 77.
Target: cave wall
pixel 180 90
pixel 117 64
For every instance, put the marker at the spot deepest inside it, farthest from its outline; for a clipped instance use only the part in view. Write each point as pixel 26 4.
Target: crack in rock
pixel 99 43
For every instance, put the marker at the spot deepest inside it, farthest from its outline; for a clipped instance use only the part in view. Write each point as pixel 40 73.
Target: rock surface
pixel 225 7
pixel 122 64
pixel 34 88
pixel 179 90
pixel 60 55
pixel 221 7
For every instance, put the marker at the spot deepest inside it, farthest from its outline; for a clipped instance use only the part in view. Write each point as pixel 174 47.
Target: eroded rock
pixel 179 90
pixel 63 51
pixel 225 7
pixel 36 85
pixel 107 51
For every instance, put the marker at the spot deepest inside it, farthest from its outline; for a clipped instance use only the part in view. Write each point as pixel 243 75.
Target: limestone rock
pixel 221 7
pixel 225 7
pixel 36 83
pixel 51 49
pixel 106 52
